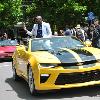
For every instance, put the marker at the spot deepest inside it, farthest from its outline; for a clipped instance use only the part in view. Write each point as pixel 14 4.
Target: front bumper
pixel 51 86
pixel 6 57
pixel 59 78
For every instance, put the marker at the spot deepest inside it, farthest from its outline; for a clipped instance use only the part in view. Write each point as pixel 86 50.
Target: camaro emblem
pixel 80 64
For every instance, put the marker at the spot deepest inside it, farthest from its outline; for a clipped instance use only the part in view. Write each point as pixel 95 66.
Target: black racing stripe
pixel 85 55
pixel 65 57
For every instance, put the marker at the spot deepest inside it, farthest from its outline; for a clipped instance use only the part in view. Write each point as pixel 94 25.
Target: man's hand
pixel 24 27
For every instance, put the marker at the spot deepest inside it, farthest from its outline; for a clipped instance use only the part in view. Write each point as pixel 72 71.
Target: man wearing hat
pixel 80 33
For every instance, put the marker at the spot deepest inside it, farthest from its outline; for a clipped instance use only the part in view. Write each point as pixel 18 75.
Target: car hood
pixel 7 49
pixel 68 55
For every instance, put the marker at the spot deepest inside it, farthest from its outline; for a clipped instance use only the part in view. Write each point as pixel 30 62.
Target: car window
pixel 56 43
pixel 8 42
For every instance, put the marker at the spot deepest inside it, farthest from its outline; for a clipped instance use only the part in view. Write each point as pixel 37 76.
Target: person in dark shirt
pixel 96 34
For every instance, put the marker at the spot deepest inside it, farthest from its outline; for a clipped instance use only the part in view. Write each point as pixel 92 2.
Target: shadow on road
pixel 22 90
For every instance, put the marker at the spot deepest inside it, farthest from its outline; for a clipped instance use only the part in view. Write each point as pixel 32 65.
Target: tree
pixel 10 12
pixel 60 12
pixel 57 12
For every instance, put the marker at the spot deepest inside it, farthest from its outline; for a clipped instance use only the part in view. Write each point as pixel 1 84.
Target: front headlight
pixel 48 65
pixel 46 75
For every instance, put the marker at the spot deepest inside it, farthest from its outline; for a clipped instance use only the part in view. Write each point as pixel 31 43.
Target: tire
pixel 31 82
pixel 15 76
pixel 98 43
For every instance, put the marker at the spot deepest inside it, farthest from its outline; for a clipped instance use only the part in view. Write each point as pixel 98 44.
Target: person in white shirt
pixel 80 33
pixel 40 29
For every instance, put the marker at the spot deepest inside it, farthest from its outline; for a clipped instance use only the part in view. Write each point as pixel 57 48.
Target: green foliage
pixel 30 8
pixel 56 12
pixel 1 7
pixel 10 12
pixel 60 12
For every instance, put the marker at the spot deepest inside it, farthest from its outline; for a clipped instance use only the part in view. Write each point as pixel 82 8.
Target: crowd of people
pixel 89 32
pixel 42 29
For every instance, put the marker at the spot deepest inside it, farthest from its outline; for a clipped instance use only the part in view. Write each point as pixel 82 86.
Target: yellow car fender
pixel 36 73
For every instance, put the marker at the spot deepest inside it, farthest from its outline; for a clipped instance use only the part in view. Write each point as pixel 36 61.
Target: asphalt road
pixel 10 90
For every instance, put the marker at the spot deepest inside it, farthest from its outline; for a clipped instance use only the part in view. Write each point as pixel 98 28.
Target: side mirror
pixel 22 47
pixel 88 43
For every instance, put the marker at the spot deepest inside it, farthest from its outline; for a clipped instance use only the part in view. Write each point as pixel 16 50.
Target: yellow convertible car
pixel 56 63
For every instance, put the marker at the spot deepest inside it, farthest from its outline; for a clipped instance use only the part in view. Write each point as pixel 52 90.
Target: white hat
pixel 78 26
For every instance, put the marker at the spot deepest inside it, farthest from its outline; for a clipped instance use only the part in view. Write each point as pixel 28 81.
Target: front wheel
pixel 15 76
pixel 31 82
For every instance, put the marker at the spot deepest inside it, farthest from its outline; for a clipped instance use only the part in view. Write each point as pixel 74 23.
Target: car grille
pixel 85 64
pixel 81 77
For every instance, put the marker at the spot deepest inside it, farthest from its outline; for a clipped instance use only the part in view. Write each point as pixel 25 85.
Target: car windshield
pixel 56 43
pixel 8 42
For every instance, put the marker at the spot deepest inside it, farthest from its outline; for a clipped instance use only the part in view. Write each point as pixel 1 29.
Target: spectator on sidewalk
pixel 67 31
pixel 90 18
pixel 80 33
pixel 96 34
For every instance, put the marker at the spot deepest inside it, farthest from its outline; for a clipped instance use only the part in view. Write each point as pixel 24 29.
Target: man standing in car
pixel 40 29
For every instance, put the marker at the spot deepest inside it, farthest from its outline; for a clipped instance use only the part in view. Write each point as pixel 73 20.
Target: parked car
pixel 7 47
pixel 55 63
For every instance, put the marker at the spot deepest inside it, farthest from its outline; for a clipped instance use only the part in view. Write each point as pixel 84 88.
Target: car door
pixel 23 60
